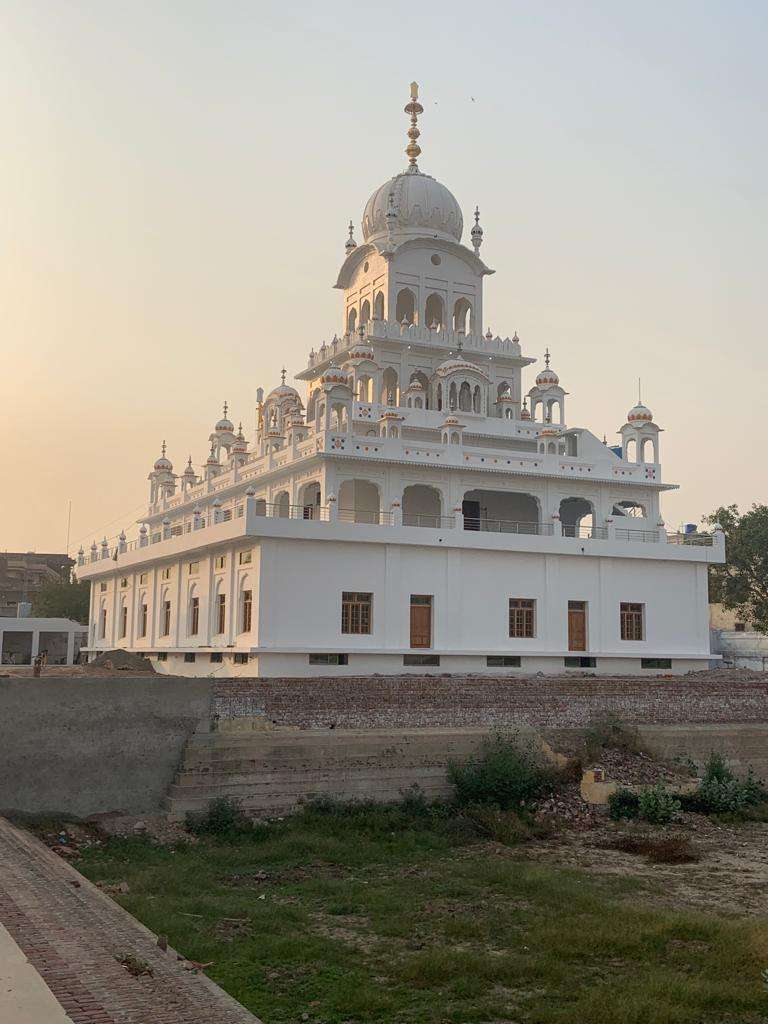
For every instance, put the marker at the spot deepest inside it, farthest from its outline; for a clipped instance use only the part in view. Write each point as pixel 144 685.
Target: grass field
pixel 390 914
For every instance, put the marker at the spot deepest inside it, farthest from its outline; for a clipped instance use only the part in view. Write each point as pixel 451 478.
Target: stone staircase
pixel 273 771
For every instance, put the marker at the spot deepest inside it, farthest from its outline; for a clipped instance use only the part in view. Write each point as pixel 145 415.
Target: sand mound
pixel 122 661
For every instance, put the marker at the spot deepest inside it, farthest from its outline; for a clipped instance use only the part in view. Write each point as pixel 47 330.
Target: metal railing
pixel 507 526
pixel 585 532
pixel 638 536
pixel 428 520
pixel 702 540
pixel 370 517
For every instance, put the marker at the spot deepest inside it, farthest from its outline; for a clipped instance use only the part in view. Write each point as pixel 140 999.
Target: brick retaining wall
pixel 385 702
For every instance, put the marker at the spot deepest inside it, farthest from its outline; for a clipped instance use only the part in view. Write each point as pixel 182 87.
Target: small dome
pixel 334 375
pixel 163 464
pixel 451 421
pixel 420 207
pixel 525 413
pixel 547 379
pixel 415 385
pixel 549 432
pixel 360 352
pixel 639 414
pixel 188 469
pixel 458 365
pixel 283 391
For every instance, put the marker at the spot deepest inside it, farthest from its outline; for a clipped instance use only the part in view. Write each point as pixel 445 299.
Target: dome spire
pixel 414 108
pixel 477 233
pixel 350 243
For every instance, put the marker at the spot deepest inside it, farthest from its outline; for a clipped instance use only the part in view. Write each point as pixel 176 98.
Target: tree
pixel 741 584
pixel 66 600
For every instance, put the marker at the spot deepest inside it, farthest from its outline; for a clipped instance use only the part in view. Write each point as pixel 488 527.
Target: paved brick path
pixel 71 933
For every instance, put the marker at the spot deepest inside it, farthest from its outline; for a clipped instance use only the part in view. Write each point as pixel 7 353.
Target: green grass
pixel 397 916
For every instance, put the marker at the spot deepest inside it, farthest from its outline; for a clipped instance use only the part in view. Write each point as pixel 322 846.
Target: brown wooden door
pixel 421 621
pixel 577 625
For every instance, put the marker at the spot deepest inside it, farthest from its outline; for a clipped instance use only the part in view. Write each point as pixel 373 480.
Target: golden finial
pixel 414 108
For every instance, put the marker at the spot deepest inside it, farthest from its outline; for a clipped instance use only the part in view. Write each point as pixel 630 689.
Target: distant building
pixel 22 639
pixel 736 640
pixel 24 573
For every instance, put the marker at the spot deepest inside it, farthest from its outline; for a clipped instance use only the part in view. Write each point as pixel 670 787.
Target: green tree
pixel 741 584
pixel 68 600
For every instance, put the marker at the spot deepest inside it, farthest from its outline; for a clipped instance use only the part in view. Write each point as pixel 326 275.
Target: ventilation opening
pixel 503 661
pixel 580 662
pixel 421 659
pixel 655 663
pixel 328 659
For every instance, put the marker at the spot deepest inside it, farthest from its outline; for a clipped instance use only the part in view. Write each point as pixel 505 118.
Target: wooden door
pixel 577 625
pixel 421 620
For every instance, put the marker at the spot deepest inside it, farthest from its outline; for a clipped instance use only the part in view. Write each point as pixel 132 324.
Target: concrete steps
pixel 273 772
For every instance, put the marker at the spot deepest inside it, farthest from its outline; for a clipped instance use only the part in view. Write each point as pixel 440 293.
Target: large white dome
pixel 422 206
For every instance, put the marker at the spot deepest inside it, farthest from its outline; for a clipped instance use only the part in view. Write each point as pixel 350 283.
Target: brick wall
pixel 385 702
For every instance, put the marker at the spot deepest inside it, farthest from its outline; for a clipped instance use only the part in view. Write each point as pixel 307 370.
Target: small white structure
pixel 416 509
pixel 22 639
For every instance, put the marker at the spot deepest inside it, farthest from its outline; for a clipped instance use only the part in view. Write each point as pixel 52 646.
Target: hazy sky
pixel 176 179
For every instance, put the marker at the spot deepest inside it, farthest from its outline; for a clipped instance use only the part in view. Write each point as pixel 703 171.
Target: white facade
pixel 418 509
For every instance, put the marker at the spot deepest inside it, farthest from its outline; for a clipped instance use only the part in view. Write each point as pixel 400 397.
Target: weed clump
pixel 721 792
pixel 610 733
pixel 224 816
pixel 653 804
pixel 506 773
pixel 623 804
pixel 664 850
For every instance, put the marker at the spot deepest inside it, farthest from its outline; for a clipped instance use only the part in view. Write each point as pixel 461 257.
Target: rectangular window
pixel 124 581
pixel 103 588
pixel 123 621
pixel 328 659
pixel 739 627
pixel 580 662
pixel 655 663
pixel 162 656
pixel 194 616
pixel 142 577
pixel 165 628
pixel 166 573
pixel 522 617
pixel 221 612
pixel 216 656
pixel 502 661
pixel 142 620
pixel 189 656
pixel 240 658
pixel 103 624
pixel 632 616
pixel 245 625
pixel 194 568
pixel 356 612
pixel 421 659
pixel 245 557
pixel 220 562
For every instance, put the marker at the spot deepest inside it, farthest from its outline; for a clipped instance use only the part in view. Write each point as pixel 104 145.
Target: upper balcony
pixel 254 518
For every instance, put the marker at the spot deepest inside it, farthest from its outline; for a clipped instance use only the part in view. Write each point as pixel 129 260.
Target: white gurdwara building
pixel 419 511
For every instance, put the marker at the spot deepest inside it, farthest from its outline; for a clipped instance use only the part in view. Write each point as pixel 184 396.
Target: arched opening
pixel 439 396
pixel 338 416
pixel 455 439
pixel 465 397
pixel 630 450
pixel 282 505
pixel 551 448
pixel 378 306
pixel 477 400
pixel 631 508
pixel 364 392
pixel 554 411
pixel 389 390
pixel 500 511
pixel 352 320
pixel 260 506
pixel 462 311
pixel 365 312
pixel 453 400
pixel 311 404
pixel 405 307
pixel 359 502
pixel 309 499
pixel 434 311
pixel 577 517
pixel 422 506
pixel 648 445
pixel 193 611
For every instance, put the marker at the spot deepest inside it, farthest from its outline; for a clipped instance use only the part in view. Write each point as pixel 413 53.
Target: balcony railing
pixel 700 540
pixel 507 526
pixel 638 536
pixel 586 532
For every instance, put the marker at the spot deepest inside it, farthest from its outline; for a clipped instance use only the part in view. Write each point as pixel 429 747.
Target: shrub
pixel 665 850
pixel 623 803
pixel 224 816
pixel 656 805
pixel 506 773
pixel 721 792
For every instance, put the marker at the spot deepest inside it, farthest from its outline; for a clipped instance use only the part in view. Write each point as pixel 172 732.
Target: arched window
pixel 439 396
pixel 282 505
pixel 577 517
pixel 365 312
pixel 629 507
pixel 352 320
pixel 405 308
pixel 389 390
pixel 422 506
pixel 647 443
pixel 465 397
pixel 434 311
pixel 462 316
pixel 378 306
pixel 454 438
pixel 551 448
pixel 452 398
pixel 311 403
pixel 630 450
pixel 359 502
pixel 477 399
